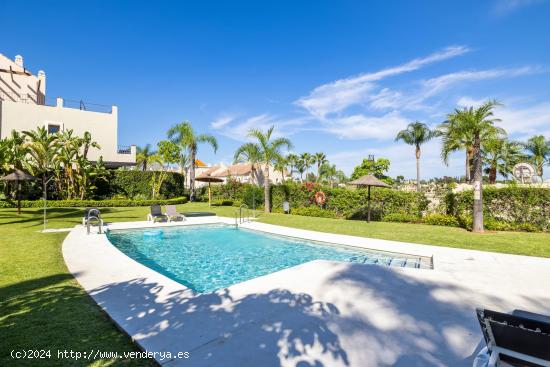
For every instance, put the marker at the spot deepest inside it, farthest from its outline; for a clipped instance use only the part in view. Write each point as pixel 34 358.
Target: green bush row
pixel 340 202
pixel 137 185
pixel 510 208
pixel 91 203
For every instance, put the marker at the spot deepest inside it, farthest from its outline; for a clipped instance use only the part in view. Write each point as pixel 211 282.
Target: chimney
pixel 19 60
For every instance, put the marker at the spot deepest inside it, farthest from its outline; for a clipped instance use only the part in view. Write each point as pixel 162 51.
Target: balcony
pixel 121 149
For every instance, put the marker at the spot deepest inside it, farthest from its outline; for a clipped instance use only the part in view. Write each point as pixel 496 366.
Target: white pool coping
pixel 333 313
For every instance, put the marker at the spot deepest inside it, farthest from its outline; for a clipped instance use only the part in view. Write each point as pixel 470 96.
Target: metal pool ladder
pixel 242 215
pixel 89 223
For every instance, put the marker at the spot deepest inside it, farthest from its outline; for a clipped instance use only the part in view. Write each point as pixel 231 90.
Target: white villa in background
pixel 241 172
pixel 24 106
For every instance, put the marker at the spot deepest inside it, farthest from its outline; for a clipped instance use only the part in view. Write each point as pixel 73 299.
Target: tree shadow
pixel 54 313
pixel 361 315
pixel 264 329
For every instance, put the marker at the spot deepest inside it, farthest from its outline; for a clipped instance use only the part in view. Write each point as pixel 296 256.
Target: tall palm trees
pixel 319 159
pixel 269 150
pixel 144 156
pixel 416 134
pixel 539 152
pixel 473 126
pixel 291 161
pixel 500 156
pixel 306 160
pixel 187 139
pixel 249 152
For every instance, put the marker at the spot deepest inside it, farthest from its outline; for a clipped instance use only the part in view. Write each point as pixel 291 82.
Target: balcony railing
pixel 52 102
pixel 124 150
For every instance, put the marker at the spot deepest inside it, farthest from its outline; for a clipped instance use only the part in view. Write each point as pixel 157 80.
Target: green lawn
pixel 521 243
pixel 42 306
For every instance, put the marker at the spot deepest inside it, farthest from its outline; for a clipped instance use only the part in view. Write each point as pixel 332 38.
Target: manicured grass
pixel 42 306
pixel 520 243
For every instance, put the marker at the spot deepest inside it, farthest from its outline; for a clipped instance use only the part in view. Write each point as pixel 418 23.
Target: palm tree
pixel 249 152
pixel 301 167
pixel 270 150
pixel 42 152
pixel 329 172
pixel 280 165
pixel 500 156
pixel 291 160
pixel 88 143
pixel 307 160
pixel 320 159
pixel 186 138
pixel 539 149
pixel 144 156
pixel 416 133
pixel 455 139
pixel 477 124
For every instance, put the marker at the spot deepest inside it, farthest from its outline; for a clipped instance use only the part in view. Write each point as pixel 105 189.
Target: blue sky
pixel 340 77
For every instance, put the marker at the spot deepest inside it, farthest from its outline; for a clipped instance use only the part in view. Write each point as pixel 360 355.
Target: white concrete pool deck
pixel 321 313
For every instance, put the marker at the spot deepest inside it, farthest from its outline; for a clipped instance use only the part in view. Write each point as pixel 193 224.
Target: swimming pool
pixel 206 258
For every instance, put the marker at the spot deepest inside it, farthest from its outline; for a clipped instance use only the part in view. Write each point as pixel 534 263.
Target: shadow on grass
pixel 52 313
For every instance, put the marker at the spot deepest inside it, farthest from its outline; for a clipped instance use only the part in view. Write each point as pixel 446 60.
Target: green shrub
pixel 497 225
pixel 136 184
pixel 402 218
pixel 91 203
pixel 522 207
pixel 313 211
pixel 223 202
pixel 441 220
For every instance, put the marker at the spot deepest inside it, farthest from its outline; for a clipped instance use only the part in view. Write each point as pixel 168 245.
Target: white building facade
pixel 23 106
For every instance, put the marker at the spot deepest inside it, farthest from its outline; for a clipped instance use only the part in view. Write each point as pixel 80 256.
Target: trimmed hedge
pixel 91 203
pixel 340 202
pixel 441 220
pixel 136 184
pixel 509 208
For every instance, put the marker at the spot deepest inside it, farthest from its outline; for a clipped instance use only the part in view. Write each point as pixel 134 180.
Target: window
pixel 53 128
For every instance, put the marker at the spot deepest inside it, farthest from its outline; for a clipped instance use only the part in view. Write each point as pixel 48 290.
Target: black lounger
pixel 520 339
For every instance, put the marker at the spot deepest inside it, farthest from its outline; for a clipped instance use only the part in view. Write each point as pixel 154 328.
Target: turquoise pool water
pixel 210 257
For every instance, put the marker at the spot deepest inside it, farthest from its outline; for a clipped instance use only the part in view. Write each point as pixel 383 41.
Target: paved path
pixel 320 313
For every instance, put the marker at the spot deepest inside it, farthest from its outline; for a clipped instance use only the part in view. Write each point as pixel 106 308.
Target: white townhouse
pixel 24 106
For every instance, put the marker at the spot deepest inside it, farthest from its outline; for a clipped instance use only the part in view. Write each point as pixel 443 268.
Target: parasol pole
pixel 368 205
pixel 209 195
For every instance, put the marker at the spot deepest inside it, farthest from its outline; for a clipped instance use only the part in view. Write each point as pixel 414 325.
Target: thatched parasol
pixel 209 179
pixel 368 181
pixel 18 176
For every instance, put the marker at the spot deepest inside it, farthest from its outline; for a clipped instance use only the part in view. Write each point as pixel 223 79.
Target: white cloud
pixel 222 120
pixel 239 129
pixel 526 121
pixel 338 95
pixel 403 161
pixel 504 7
pixel 360 126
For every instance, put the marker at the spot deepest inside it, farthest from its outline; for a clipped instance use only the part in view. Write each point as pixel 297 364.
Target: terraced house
pixel 25 106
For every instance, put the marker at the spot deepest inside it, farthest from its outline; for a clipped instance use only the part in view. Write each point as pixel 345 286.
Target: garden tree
pixel 539 152
pixel 186 138
pixel 328 171
pixel 306 160
pixel 399 179
pixel 270 150
pixel 477 124
pixel 67 151
pixel 42 151
pixel 16 152
pixel 143 156
pixel 456 138
pixel 280 165
pixel 291 161
pixel 167 153
pixel 319 159
pixel 500 156
pixel 249 152
pixel 88 143
pixel 416 133
pixel 377 168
